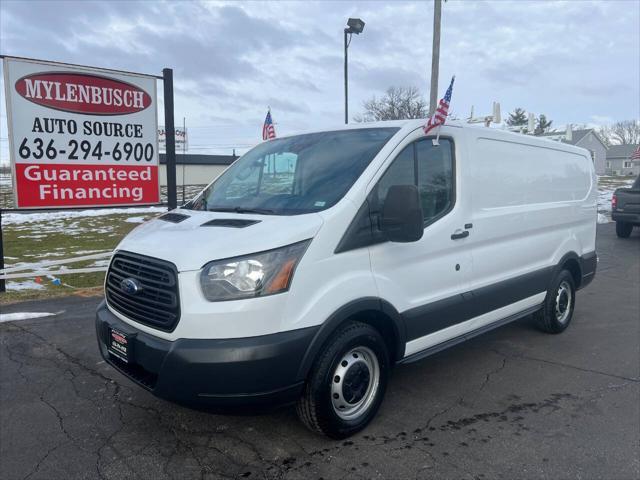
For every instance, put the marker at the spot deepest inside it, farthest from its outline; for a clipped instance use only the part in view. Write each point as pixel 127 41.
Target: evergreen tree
pixel 543 124
pixel 517 117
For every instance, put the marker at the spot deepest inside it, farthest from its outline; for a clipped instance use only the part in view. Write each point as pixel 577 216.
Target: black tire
pixel 316 405
pixel 623 229
pixel 562 293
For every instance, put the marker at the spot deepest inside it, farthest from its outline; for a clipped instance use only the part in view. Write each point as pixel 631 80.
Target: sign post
pixel 172 194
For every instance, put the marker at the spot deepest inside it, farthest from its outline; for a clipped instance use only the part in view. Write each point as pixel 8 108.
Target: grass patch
pixel 31 242
pixel 17 296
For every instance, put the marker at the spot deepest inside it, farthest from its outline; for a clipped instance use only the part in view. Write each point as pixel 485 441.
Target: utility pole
pixel 184 154
pixel 346 84
pixel 3 285
pixel 435 56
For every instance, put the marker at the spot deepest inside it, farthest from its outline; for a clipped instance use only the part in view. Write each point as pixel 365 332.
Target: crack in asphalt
pixel 566 365
pixel 92 372
pixel 488 376
pixel 36 469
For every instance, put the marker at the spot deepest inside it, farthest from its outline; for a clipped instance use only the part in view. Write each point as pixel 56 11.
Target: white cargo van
pixel 317 262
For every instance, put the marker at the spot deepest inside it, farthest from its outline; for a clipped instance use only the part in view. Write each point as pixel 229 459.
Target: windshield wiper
pixel 260 211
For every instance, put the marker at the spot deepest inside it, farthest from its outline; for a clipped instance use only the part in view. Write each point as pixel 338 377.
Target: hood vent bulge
pixel 173 217
pixel 230 222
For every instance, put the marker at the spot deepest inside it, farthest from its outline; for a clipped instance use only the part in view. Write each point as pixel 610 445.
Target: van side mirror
pixel 402 219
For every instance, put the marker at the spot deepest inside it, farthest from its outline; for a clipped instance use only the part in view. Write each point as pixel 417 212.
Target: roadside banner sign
pixel 81 136
pixel 182 142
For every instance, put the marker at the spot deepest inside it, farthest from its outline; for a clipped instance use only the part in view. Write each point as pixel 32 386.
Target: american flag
pixel 636 154
pixel 268 131
pixel 440 115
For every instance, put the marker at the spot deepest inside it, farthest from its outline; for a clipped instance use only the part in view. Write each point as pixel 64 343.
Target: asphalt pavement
pixel 513 403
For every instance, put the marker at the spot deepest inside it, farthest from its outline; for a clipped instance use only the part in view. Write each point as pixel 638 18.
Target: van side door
pixel 426 280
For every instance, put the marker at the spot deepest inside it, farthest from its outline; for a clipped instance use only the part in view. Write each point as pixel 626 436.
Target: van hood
pixel 189 244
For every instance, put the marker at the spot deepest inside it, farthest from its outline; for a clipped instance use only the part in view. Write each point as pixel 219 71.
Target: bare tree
pixel 624 132
pixel 605 135
pixel 397 103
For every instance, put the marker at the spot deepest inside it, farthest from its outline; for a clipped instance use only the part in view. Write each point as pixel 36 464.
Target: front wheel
pixel 557 311
pixel 623 229
pixel 347 382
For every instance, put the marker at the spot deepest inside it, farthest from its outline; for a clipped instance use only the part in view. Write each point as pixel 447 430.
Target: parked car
pixel 317 262
pixel 625 209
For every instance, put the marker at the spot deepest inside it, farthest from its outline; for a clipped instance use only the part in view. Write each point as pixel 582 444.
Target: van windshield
pixel 294 175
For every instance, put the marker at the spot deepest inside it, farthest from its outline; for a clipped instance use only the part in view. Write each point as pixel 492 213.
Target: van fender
pixel 575 268
pixel 345 313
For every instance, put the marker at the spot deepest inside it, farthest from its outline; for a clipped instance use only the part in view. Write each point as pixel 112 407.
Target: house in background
pixel 619 160
pixel 194 169
pixel 589 139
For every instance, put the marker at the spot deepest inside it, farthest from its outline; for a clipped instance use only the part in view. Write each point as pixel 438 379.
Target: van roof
pixel 412 124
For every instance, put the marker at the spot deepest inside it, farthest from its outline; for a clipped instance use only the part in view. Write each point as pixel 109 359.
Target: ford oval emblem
pixel 130 286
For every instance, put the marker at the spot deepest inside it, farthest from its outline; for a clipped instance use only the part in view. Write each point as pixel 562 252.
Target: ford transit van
pixel 317 262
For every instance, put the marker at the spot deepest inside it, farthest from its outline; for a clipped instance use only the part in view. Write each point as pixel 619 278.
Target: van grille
pixel 157 303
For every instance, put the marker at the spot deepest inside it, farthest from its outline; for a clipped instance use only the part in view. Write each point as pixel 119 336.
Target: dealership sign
pixel 81 136
pixel 180 135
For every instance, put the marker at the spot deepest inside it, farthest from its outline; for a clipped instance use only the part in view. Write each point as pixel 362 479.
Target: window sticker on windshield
pixel 319 204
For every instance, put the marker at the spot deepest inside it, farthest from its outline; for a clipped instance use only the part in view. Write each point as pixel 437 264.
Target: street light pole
pixel 435 56
pixel 354 25
pixel 346 75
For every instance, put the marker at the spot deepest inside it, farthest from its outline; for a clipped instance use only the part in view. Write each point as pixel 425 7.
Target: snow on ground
pixel 24 285
pixel 12 317
pixel 101 263
pixel 135 219
pixel 45 255
pixel 21 218
pixel 602 218
pixel 89 252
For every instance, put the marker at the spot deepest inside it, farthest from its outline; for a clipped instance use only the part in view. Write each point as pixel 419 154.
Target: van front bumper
pixel 202 373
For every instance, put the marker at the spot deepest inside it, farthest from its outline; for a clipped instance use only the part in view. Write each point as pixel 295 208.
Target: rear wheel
pixel 347 382
pixel 623 229
pixel 556 314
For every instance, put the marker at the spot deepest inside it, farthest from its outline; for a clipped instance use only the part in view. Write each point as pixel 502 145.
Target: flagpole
pixel 436 141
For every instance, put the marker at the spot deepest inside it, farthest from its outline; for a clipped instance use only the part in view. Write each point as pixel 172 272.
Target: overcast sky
pixel 576 61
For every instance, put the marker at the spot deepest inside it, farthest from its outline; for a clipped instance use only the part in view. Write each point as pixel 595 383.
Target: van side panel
pixel 533 202
pixel 324 281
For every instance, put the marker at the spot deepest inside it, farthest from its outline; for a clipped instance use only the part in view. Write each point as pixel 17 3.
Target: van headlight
pixel 255 275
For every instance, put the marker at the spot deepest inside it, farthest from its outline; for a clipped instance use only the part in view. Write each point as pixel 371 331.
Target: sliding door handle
pixel 458 235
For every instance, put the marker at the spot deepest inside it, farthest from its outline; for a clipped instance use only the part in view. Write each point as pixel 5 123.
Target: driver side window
pixel 401 172
pixel 428 167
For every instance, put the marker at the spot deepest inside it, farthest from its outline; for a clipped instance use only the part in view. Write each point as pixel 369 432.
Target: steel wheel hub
pixel 563 302
pixel 355 383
